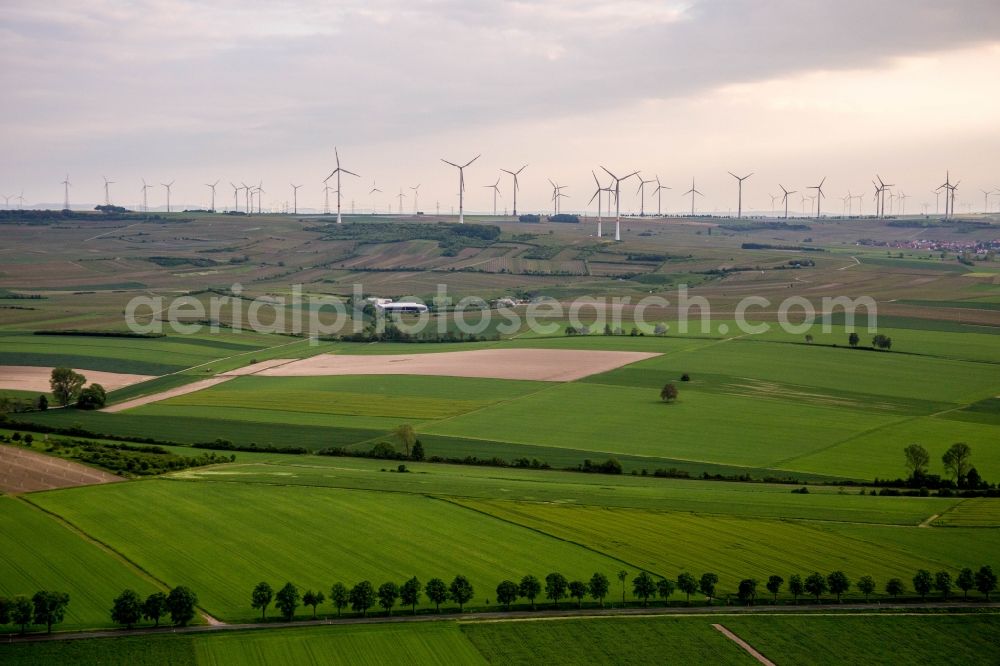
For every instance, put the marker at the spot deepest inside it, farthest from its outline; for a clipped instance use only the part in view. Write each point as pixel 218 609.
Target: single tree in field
pixel 599 587
pixel 362 597
pixel 418 451
pixel 796 587
pixel 747 591
pixel 668 393
pixel 409 593
pixel 555 587
pixel 339 597
pixel 839 583
pixel 261 598
pixel 43 403
pixel 894 587
pixel 965 581
pixel 21 612
pixel 460 591
pixel 407 437
pixel 388 594
pixel 507 593
pixel 917 460
pixel 664 588
pixel 816 585
pixel 287 600
pixel 957 461
pixel 577 590
pixel 127 609
pixel 853 339
pixel 922 583
pixel 66 385
pixel 155 607
pixel 707 585
pixel 530 588
pixel 437 592
pixel 687 584
pixel 643 587
pixel 867 585
pixel 49 608
pixel 943 584
pixel 313 599
pixel 622 575
pixel 181 604
pixel 986 580
pixel 92 397
pixel 774 584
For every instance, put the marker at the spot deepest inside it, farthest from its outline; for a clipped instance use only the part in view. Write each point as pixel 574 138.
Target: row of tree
pixel 44 607
pixel 180 604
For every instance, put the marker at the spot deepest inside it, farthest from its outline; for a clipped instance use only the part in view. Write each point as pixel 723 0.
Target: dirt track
pixel 552 365
pixel 36 378
pixel 23 471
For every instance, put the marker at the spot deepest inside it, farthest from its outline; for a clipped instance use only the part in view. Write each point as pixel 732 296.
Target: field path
pixel 743 644
pixel 22 471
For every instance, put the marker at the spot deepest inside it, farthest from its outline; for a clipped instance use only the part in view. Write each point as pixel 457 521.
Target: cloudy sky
pixel 248 91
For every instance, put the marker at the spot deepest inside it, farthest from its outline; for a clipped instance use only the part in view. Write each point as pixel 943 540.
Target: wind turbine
pixel 597 195
pixel 246 197
pixel 295 198
pixel 514 175
pixel 416 194
pixel 236 197
pixel 212 187
pixel 168 186
pixel 556 195
pixel 692 192
pixel 20 200
pixel 145 200
pixel 461 186
pixel 986 200
pixel 773 197
pixel 861 205
pixel 401 196
pixel 66 185
pixel 953 189
pixel 6 200
pixel 107 191
pixel 372 192
pixel 784 197
pixel 819 194
pixel 260 190
pixel 338 171
pixel 618 192
pixel 496 192
pixel 326 199
pixel 902 202
pixel 659 196
pixel 642 195
pixel 739 207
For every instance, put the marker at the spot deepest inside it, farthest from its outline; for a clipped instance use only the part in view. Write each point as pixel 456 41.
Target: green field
pixel 211 537
pixel 39 553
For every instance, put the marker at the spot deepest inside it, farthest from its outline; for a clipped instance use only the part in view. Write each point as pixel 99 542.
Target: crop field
pixel 668 543
pixel 884 639
pixel 37 552
pixel 211 537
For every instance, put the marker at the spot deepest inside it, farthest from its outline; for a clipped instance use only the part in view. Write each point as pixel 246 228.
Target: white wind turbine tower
pixel 461 186
pixel 211 186
pixel 107 190
pixel 20 200
pixel 145 199
pixel 6 200
pixel 338 171
pixel 514 175
pixel 861 204
pixel 326 199
pixel 739 206
pixel 784 197
pixel 66 186
pixel 819 194
pixel 556 195
pixel 246 197
pixel 260 191
pixel 642 195
pixel 416 195
pixel 168 186
pixel 692 192
pixel 618 192
pixel 659 196
pixel 295 198
pixel 401 197
pixel 236 197
pixel 496 192
pixel 773 198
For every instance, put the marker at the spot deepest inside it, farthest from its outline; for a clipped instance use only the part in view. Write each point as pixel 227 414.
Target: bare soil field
pixel 550 365
pixel 23 471
pixel 36 378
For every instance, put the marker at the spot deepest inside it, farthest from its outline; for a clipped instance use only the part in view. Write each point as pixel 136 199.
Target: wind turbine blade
pixel 451 163
pixel 609 173
pixel 471 161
